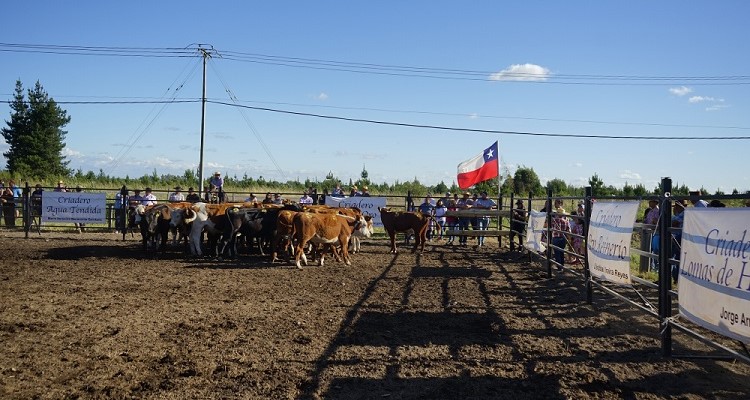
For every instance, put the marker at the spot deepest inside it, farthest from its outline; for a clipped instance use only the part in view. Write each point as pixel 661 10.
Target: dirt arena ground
pixel 88 316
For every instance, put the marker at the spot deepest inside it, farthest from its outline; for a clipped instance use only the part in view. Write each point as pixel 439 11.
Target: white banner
pixel 714 280
pixel 608 244
pixel 368 205
pixel 73 207
pixel 534 230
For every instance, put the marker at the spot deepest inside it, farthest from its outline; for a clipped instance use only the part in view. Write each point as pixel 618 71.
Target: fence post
pixel 644 261
pixel 124 203
pixel 512 235
pixel 548 210
pixel 26 214
pixel 528 217
pixel 586 221
pixel 665 273
pixel 499 222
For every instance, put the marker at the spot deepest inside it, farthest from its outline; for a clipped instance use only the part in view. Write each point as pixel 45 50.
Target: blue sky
pixel 567 54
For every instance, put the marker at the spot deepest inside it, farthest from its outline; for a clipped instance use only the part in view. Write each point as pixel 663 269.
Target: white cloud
pixel 473 116
pixel 628 174
pixel 701 99
pixel 322 96
pixel 578 164
pixel 68 152
pixel 680 91
pixel 717 107
pixel 522 72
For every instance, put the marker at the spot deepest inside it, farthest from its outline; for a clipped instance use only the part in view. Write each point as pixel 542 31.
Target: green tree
pixel 525 181
pixel 597 185
pixel 639 190
pixel 559 187
pixel 34 134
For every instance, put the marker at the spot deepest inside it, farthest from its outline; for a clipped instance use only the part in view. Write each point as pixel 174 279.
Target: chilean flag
pixel 480 168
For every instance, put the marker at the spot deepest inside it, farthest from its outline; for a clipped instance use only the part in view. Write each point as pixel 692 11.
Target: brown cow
pixel 284 232
pixel 403 221
pixel 327 229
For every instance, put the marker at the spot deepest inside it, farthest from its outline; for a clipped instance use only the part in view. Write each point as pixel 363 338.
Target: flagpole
pixel 499 176
pixel 499 193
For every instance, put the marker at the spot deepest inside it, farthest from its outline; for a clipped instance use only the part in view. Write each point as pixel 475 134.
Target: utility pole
pixel 206 53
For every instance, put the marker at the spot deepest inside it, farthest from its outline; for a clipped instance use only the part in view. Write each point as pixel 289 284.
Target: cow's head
pixel 363 226
pixel 139 210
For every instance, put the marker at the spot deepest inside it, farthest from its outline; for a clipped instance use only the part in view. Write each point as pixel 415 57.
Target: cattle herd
pixel 267 229
pixel 290 229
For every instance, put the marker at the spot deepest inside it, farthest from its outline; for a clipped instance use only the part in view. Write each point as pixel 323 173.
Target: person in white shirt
pixel 176 195
pixel 486 203
pixel 305 199
pixel 251 199
pixel 149 198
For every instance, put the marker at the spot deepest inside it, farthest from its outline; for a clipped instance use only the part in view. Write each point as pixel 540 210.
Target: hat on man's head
pixel 148 189
pixel 217 173
pixel 519 201
pixel 38 185
pixel 190 189
pixel 60 182
pixel 178 188
pixel 467 194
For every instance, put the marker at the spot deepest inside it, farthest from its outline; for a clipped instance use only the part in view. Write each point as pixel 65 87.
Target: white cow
pixel 364 231
pixel 199 217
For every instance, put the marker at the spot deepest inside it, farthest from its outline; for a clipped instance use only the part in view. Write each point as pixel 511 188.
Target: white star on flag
pixel 483 166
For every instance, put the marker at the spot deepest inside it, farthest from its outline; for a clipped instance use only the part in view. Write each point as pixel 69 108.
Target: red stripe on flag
pixel 471 178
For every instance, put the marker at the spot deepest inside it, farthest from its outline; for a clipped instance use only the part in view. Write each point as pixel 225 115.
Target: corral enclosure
pixel 90 316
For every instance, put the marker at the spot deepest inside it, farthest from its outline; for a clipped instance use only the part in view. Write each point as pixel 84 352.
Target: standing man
pixel 306 199
pixel 60 187
pixel 217 182
pixel 338 192
pixel 176 195
pixel 149 198
pixel 79 226
pixel 484 221
pixel 518 223
pixel 464 203
pixel 192 196
pixel 428 208
pixel 695 201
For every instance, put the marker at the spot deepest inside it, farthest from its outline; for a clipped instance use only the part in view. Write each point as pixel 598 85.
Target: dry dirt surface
pixel 90 316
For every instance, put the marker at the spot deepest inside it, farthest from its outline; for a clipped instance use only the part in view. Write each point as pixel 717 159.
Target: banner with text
pixel 368 205
pixel 73 207
pixel 608 244
pixel 534 230
pixel 714 282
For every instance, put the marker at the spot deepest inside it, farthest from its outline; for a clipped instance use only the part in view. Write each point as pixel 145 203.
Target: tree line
pixel 36 141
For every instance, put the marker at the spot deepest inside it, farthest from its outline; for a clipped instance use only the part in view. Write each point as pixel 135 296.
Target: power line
pixel 159 52
pixel 457 129
pixel 250 125
pixel 192 50
pixel 120 102
pixel 418 112
pixel 236 104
